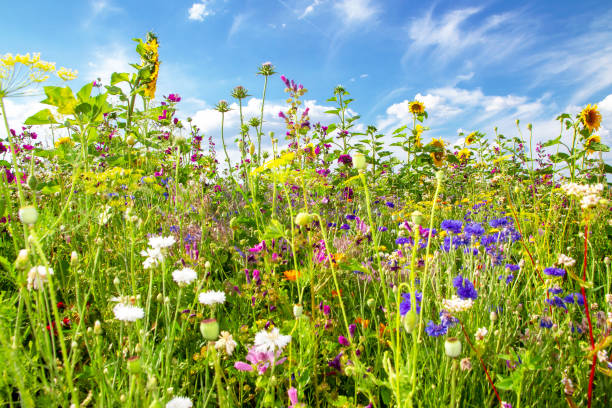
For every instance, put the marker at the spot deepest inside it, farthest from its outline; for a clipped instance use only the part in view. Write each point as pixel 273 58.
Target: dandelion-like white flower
pixel 212 297
pixel 37 276
pixel 481 333
pixel 128 313
pixel 154 257
pixel 226 341
pixel 161 242
pixel 179 402
pixel 270 341
pixel 184 276
pixel 456 304
pixel 602 356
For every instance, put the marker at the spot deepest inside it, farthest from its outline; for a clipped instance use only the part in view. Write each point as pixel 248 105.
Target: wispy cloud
pixel 310 8
pixel 237 24
pixel 461 31
pixel 198 11
pixel 356 11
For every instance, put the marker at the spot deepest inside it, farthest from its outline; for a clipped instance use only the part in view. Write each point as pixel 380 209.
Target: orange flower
pixel 291 275
pixel 381 329
pixel 363 322
pixel 335 293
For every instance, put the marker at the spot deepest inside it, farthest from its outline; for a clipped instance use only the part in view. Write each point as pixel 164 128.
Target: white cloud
pixel 198 11
pixel 105 60
pixel 310 8
pixel 362 76
pixel 356 11
pixel 237 23
pixel 453 34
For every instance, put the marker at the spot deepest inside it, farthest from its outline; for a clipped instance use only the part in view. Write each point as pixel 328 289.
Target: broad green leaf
pixel 43 117
pixel 62 98
pixel 118 77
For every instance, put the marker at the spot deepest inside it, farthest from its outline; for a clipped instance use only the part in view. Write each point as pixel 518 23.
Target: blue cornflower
pixel 509 279
pixel 452 226
pixel 551 271
pixel 390 204
pixel 345 227
pixel 350 217
pixel 403 240
pixel 474 229
pixel 512 267
pixel 556 301
pixel 555 290
pixel 546 322
pixel 447 319
pixel 174 228
pixel 405 306
pixel 382 229
pixel 574 296
pixel 435 330
pixel 499 222
pixel 465 288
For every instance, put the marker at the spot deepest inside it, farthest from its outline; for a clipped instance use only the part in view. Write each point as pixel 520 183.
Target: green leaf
pixel 118 77
pixel 598 147
pixel 43 117
pixel 552 142
pixel 62 98
pixel 332 111
pixel 85 93
pixel 559 157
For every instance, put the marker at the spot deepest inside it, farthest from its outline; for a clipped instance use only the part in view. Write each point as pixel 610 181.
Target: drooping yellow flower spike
pixel 590 117
pixel 151 58
pixel 18 72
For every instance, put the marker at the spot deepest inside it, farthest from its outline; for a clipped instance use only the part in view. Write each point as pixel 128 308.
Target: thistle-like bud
pixel 266 69
pixel 222 106
pixel 240 92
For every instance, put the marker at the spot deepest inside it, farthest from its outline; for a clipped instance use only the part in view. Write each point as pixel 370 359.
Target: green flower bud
pixel 28 215
pixel 409 320
pixel 359 161
pixel 303 219
pixel 209 329
pixel 452 347
pixel 131 140
pixel 133 365
pixel 32 182
pixel 416 217
pixel 371 304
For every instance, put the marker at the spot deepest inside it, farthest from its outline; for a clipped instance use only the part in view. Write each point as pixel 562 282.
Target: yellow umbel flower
pixel 416 107
pixel 67 74
pixel 438 157
pixel 19 72
pixel 590 117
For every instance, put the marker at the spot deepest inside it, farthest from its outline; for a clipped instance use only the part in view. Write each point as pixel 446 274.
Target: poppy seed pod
pixel 359 161
pixel 452 347
pixel 28 215
pixel 302 219
pixel 209 329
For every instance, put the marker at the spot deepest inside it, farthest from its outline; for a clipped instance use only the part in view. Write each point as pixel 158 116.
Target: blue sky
pixel 474 64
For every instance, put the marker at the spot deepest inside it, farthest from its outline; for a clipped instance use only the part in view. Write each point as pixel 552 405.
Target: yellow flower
pixel 464 154
pixel 590 140
pixel 438 157
pixel 471 138
pixel 418 131
pixel 19 72
pixel 590 117
pixel 416 107
pixel 152 58
pixel 67 74
pixel 64 141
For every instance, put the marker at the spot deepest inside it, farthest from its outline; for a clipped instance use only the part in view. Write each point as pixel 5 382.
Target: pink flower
pixel 260 360
pixel 293 397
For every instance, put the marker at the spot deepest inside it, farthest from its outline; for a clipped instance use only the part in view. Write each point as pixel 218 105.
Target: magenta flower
pixel 174 98
pixel 343 341
pixel 260 361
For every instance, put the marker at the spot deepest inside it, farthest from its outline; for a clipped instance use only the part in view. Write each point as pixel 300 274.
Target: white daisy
pixel 481 333
pixel 212 297
pixel 128 313
pixel 179 402
pixel 269 341
pixel 184 276
pixel 226 341
pixel 160 242
pixel 154 257
pixel 37 276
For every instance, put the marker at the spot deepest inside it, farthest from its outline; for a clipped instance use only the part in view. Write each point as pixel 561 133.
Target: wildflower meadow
pixel 143 265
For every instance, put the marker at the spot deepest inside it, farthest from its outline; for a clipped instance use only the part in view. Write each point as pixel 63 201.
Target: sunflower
pixel 464 154
pixel 590 140
pixel 590 117
pixel 64 141
pixel 416 107
pixel 439 156
pixel 471 138
pixel 151 58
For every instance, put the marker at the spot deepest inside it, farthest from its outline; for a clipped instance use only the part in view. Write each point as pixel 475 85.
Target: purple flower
pixel 474 229
pixel 435 330
pixel 405 306
pixel 346 159
pixel 546 322
pixel 465 288
pixel 551 271
pixel 174 98
pixel 557 301
pixel 326 310
pixel 352 328
pixel 343 341
pixel 453 226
